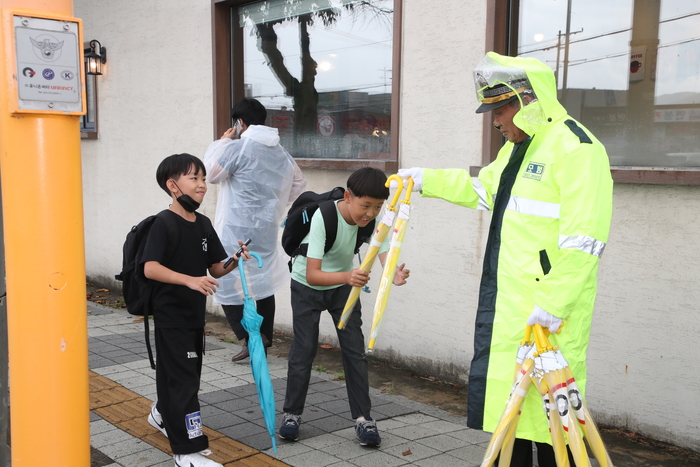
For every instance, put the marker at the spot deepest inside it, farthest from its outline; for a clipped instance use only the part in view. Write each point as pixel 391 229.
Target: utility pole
pixel 4 380
pixel 556 70
pixel 42 208
pixel 566 52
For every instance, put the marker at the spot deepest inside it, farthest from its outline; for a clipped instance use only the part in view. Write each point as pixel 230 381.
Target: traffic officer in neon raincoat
pixel 550 193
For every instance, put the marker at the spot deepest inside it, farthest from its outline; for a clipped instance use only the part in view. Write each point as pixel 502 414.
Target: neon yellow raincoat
pixel 546 237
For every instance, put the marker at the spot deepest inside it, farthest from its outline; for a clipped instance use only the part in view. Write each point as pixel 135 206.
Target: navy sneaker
pixel 367 432
pixel 290 427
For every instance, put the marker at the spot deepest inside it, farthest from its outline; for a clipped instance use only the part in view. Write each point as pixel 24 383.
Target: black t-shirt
pixel 177 306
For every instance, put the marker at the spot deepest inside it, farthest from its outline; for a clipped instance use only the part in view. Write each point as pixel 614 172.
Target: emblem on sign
pixel 46 47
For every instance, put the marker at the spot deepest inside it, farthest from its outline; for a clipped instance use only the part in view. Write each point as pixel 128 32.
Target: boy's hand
pixel 401 275
pixel 358 277
pixel 204 284
pixel 243 249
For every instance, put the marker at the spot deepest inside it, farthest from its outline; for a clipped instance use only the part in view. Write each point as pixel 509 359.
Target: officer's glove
pixel 416 173
pixel 541 317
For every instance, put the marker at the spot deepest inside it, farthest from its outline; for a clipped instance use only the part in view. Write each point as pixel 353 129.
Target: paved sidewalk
pixel 122 386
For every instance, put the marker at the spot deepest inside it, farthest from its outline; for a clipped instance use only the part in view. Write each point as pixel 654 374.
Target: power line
pixel 611 33
pixel 622 54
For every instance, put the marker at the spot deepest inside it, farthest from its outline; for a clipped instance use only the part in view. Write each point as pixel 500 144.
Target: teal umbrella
pixel 258 359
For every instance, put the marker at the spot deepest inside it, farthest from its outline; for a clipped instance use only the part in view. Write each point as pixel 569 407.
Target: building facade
pixel 630 74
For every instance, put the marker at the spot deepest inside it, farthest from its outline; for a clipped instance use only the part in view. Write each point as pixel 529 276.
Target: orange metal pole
pixel 45 269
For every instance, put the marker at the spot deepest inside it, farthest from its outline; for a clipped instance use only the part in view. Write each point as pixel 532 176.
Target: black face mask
pixel 186 201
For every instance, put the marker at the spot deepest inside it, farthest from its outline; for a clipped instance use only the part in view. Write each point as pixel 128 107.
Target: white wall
pixel 156 99
pixel 643 355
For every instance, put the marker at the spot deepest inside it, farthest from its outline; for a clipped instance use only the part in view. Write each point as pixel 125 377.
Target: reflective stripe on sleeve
pixel 581 242
pixel 482 194
pixel 533 207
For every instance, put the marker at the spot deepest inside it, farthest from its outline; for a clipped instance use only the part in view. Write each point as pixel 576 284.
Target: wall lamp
pixel 95 58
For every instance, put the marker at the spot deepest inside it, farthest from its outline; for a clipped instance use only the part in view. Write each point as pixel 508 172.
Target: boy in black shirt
pixel 179 302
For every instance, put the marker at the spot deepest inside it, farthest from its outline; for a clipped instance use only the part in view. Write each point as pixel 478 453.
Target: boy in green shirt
pixel 323 282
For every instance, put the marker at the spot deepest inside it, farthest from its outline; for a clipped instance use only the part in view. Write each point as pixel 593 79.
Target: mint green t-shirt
pixel 339 258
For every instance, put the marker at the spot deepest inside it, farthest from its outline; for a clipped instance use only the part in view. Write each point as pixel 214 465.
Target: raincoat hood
pixel 262 134
pixel 258 178
pixel 521 74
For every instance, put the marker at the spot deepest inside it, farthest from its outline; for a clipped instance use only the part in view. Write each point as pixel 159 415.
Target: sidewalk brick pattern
pixel 122 386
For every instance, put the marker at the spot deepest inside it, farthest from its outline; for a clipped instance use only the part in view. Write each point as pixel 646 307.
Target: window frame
pixel 227 50
pixel 503 40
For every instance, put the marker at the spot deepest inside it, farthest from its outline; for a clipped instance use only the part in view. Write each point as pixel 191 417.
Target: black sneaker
pixel 289 429
pixel 367 433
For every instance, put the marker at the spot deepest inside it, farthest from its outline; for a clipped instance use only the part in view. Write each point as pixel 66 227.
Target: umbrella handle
pixel 399 189
pixel 409 191
pixel 241 270
pixel 541 341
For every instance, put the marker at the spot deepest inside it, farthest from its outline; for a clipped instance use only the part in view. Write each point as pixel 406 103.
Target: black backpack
pixel 136 288
pixel 298 222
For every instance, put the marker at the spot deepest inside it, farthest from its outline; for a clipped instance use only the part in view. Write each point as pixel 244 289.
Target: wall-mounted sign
pixel 638 58
pixel 48 64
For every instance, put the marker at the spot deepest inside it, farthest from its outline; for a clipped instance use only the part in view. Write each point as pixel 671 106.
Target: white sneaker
pixel 156 420
pixel 196 459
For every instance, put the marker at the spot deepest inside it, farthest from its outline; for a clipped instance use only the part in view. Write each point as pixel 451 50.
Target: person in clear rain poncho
pixel 550 194
pixel 258 179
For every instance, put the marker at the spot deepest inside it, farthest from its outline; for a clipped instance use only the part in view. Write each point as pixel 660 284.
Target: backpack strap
pixel 363 233
pixel 173 241
pixel 330 220
pixel 171 244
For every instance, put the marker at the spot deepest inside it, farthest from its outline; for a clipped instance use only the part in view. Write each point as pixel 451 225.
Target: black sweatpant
pixel 522 455
pixel 178 371
pixel 266 309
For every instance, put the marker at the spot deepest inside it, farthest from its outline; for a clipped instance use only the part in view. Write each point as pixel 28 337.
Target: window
pixel 325 70
pixel 629 70
pixel 88 122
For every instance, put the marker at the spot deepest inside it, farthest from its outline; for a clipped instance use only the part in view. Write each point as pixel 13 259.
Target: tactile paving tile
pixel 225 449
pixel 128 411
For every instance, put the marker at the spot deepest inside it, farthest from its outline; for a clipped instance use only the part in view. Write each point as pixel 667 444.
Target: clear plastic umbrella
pixel 567 401
pixel 543 364
pixel 258 359
pixel 392 260
pixel 385 223
pixel 501 442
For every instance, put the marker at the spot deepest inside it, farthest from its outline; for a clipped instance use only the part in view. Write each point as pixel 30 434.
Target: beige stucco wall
pixel 156 99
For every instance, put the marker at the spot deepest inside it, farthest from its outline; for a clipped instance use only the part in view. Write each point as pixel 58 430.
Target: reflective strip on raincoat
pixel 557 215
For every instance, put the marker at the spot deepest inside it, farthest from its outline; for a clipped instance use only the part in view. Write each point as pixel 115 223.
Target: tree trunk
pixel 304 94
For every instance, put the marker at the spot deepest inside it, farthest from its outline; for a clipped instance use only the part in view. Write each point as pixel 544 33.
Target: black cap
pixel 484 107
pixel 499 95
